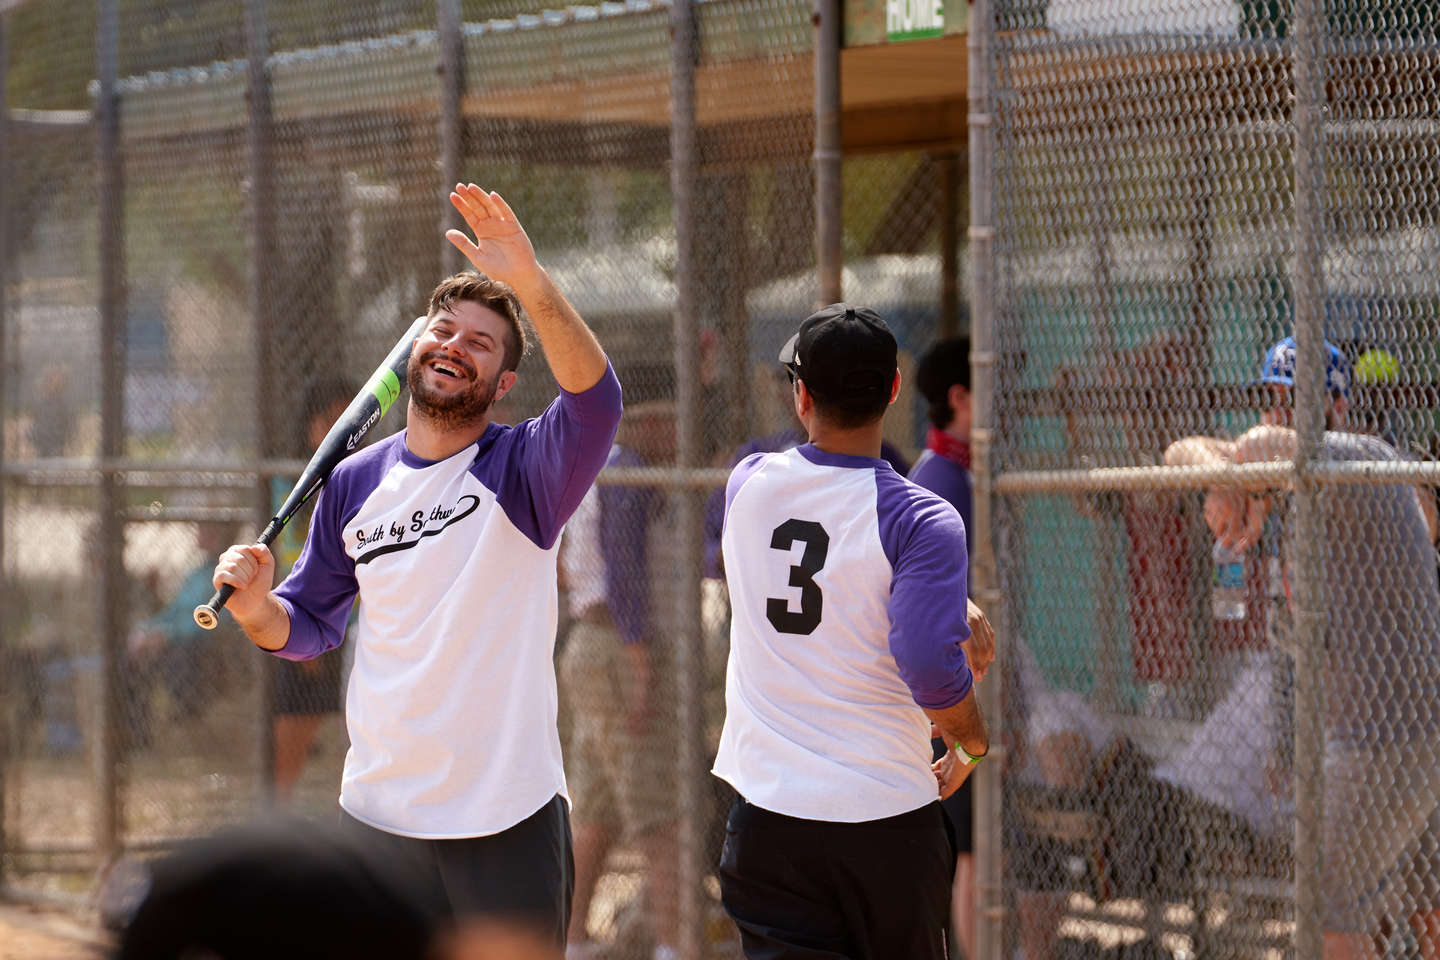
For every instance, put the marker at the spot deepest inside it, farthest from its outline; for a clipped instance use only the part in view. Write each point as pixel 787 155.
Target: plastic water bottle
pixel 1227 602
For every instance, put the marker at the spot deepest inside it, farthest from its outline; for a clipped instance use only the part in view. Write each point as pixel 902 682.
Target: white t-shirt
pixel 847 585
pixel 451 704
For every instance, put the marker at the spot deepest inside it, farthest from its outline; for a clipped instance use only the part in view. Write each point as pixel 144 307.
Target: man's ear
pixel 804 402
pixel 507 380
pixel 958 397
pixel 895 387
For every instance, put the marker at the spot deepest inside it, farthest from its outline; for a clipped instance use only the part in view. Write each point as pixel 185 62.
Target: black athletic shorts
pixel 820 890
pixel 524 875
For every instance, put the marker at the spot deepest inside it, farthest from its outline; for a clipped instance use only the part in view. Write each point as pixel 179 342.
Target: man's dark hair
pixel 944 365
pixel 851 414
pixel 477 288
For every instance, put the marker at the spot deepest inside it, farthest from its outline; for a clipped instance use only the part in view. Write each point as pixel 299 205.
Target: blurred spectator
pixel 1054 741
pixel 943 379
pixel 171 643
pixel 493 940
pixel 787 438
pixel 304 692
pixel 292 889
pixel 54 417
pixel 1382 633
pixel 617 679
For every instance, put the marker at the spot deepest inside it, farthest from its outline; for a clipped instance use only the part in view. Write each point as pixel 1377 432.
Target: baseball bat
pixel 344 438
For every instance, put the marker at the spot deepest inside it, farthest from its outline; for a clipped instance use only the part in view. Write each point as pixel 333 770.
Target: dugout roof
pixel 589 68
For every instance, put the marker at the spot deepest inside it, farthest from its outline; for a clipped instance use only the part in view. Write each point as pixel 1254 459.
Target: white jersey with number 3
pixel 847 584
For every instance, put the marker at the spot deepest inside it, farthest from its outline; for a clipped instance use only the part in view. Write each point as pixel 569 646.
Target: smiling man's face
pixel 455 371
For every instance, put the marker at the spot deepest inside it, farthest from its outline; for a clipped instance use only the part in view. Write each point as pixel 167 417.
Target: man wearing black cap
pixel 837 845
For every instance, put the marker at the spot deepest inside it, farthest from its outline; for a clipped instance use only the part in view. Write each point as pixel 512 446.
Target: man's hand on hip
pixel 951 772
pixel 980 648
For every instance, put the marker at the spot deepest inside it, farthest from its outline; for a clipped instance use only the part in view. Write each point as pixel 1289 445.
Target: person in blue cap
pixel 1382 634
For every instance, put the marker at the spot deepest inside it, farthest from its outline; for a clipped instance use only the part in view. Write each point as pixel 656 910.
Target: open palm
pixel 501 250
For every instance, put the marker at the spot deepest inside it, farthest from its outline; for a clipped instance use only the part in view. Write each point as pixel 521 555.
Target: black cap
pixel 843 352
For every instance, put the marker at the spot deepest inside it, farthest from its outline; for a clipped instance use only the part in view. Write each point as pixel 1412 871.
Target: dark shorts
pixel 308 686
pixel 820 890
pixel 524 875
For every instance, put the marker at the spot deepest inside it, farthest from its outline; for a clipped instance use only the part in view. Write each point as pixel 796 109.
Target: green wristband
pixel 968 759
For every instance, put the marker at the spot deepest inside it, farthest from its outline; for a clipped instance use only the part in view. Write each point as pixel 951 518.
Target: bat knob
pixel 206 618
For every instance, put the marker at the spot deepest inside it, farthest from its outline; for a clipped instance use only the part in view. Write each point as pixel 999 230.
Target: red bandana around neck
pixel 950 447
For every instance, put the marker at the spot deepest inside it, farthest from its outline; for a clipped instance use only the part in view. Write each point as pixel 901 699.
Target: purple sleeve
pixel 542 469
pixel 624 536
pixel 948 480
pixel 924 541
pixel 321 588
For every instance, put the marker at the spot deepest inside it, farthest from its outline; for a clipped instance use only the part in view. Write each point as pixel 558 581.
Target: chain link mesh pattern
pixel 567 114
pixel 1145 267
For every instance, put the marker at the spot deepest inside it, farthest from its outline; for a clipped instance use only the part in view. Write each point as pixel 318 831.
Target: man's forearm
pixel 964 724
pixel 574 355
pixel 1264 443
pixel 1199 452
pixel 269 626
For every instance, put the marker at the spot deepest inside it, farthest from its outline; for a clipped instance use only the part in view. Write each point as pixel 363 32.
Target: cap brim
pixel 1274 380
pixel 787 352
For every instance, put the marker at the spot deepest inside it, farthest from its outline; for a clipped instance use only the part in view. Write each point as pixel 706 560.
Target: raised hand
pixel 501 250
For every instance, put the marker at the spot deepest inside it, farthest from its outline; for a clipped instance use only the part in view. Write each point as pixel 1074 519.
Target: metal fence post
pixel 113 340
pixel 829 191
pixel 690 651
pixel 452 123
pixel 7 680
pixel 1308 534
pixel 261 285
pixel 947 166
pixel 989 894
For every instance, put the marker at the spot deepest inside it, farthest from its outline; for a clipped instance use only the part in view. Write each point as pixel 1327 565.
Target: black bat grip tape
pixel 207 615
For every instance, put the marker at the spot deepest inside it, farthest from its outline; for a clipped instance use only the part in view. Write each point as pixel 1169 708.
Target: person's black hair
pixel 851 414
pixel 944 365
pixel 285 890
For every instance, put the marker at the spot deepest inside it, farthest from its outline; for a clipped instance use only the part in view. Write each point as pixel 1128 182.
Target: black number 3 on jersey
pixel 817 545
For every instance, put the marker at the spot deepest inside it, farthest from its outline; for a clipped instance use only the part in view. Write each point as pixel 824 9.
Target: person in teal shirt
pixel 171 643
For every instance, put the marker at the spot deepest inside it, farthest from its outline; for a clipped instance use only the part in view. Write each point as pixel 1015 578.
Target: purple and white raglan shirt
pixel 846 588
pixel 451 704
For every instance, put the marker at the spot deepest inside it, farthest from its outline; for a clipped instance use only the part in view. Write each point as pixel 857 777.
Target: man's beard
pixel 449 411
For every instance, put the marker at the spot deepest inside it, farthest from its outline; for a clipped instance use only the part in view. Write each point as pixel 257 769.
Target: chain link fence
pixel 208 249
pixel 1219 656
pixel 1217 561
